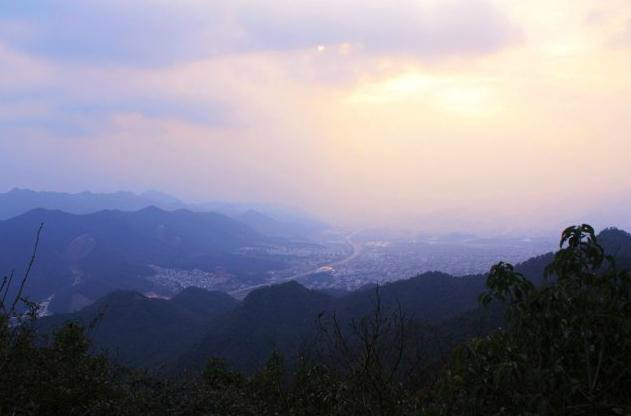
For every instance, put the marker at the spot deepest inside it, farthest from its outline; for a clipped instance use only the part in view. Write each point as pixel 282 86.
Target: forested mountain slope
pixel 82 257
pixel 286 317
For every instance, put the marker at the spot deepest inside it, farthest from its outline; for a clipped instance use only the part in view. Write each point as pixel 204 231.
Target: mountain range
pixel 19 201
pixel 97 255
pixel 81 257
pixel 269 220
pixel 285 317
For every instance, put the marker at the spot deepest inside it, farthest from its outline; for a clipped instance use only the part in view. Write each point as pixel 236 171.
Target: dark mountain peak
pixel 617 243
pixel 121 298
pixel 151 209
pixel 41 214
pixel 284 298
pixel 611 233
pixel 282 316
pixel 434 276
pixel 115 304
pixel 204 302
pixel 154 208
pixel 428 297
pixel 291 287
pixel 137 330
pixel 194 292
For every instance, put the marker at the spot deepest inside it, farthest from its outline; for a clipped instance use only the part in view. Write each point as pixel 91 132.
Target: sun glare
pixel 468 97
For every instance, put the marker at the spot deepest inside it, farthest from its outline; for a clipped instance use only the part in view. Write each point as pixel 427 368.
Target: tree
pixel 567 348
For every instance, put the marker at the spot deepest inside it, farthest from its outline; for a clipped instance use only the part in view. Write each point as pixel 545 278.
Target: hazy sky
pixel 463 113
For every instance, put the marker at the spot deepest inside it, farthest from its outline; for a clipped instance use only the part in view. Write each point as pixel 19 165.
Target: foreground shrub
pixel 567 347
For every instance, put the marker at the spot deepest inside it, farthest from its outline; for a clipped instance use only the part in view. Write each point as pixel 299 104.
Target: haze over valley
pixel 315 208
pixel 159 245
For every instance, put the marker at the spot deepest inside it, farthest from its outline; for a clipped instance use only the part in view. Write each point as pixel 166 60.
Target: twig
pixel 6 288
pixel 28 269
pixel 4 282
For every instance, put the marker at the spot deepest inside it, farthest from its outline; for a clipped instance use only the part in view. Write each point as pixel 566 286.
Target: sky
pixel 438 115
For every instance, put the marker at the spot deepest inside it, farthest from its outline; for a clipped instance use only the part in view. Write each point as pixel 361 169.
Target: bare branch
pixel 8 285
pixel 28 269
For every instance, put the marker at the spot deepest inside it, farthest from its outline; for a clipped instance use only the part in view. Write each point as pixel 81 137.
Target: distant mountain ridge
pixel 19 201
pixel 273 222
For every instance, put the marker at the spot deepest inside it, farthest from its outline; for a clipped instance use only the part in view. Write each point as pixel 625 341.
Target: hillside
pixel 82 257
pixel 285 317
pixel 281 317
pixel 136 330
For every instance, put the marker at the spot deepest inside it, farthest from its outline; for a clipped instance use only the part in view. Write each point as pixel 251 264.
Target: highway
pixel 356 249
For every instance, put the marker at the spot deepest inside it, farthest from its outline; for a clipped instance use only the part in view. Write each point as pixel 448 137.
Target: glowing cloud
pixel 434 114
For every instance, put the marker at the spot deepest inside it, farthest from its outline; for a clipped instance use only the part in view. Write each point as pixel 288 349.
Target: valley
pixel 348 261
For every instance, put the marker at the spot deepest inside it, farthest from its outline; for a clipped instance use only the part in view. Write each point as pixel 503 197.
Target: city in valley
pixel 338 261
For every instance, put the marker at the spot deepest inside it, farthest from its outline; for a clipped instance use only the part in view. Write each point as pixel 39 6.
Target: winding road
pixel 356 249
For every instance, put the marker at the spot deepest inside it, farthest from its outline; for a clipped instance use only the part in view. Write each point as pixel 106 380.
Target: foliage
pixel 567 348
